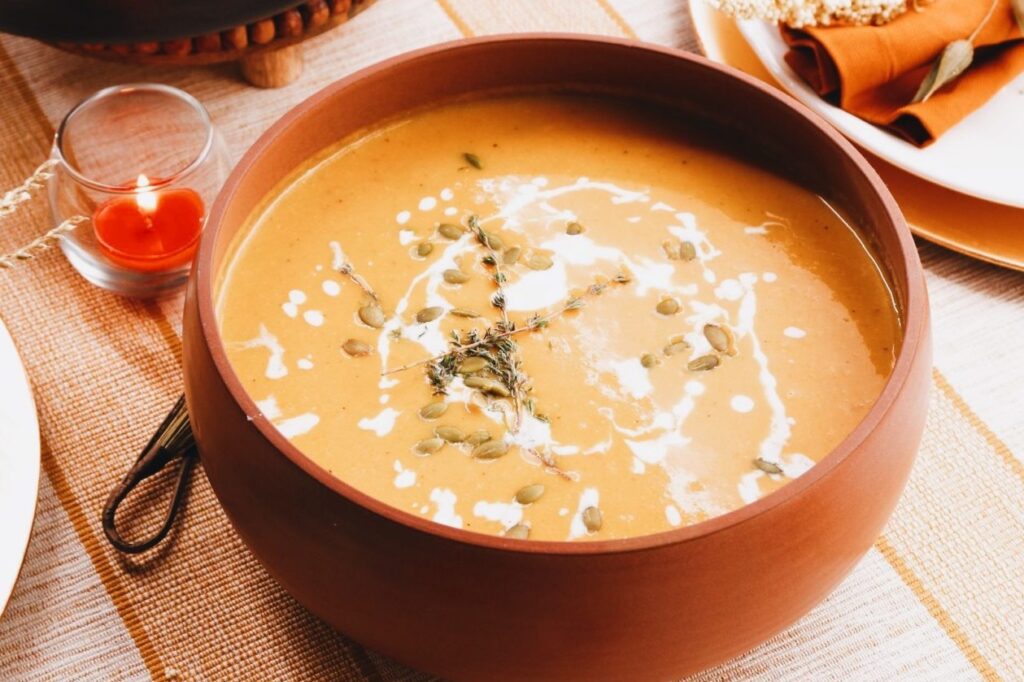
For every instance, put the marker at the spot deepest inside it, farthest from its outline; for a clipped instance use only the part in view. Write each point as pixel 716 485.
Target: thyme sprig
pixel 549 463
pixel 494 345
pixel 348 270
pixel 506 365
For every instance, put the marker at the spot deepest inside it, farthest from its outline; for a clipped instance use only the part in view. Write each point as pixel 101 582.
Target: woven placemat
pixel 939 596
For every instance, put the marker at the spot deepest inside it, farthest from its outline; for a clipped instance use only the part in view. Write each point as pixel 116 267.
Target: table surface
pixel 939 596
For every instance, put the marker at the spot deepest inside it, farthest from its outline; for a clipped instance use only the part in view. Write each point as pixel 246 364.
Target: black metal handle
pixel 172 441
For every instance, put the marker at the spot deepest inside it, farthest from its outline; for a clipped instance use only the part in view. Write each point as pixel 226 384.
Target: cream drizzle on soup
pixel 559 317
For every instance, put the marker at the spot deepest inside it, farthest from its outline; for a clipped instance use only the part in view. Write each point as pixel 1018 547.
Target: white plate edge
pixel 20 444
pixel 868 136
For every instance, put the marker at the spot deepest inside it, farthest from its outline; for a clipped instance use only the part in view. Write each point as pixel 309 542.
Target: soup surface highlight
pixel 561 317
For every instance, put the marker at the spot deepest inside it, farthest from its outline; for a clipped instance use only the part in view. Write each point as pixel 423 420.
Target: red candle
pixel 150 230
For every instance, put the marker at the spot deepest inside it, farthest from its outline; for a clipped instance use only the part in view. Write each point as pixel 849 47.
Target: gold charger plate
pixel 976 228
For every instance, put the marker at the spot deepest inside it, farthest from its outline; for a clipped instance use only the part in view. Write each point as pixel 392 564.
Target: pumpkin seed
pixel 530 494
pixel 450 230
pixel 492 449
pixel 429 314
pixel 478 437
pixel 452 434
pixel 574 228
pixel 355 347
pixel 717 337
pixel 424 249
pixel 478 382
pixel 687 251
pixel 455 276
pixel 676 347
pixel 429 446
pixel 518 532
pixel 511 255
pixel 472 365
pixel 539 261
pixel 492 241
pixel 498 389
pixel 703 363
pixel 648 360
pixel 464 312
pixel 668 306
pixel 767 467
pixel 487 385
pixel 473 160
pixel 433 410
pixel 592 519
pixel 372 315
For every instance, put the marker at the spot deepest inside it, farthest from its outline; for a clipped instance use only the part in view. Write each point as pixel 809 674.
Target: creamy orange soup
pixel 555 316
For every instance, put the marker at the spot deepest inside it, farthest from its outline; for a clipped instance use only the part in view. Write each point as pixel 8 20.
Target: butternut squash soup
pixel 555 316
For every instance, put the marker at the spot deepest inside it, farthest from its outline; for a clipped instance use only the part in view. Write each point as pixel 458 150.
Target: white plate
pixel 982 156
pixel 19 464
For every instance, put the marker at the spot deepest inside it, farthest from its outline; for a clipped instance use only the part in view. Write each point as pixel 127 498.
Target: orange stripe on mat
pixel 170 336
pixel 929 600
pixel 104 568
pixel 93 547
pixel 619 20
pixel 994 441
pixel 455 18
pixel 7 66
pixel 937 611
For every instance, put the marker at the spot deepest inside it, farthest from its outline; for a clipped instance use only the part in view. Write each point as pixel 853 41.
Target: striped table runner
pixel 941 595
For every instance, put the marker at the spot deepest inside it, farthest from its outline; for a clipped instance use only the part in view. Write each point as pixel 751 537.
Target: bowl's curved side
pixel 469 606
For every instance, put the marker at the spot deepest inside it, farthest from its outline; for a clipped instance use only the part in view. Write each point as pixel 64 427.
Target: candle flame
pixel 145 199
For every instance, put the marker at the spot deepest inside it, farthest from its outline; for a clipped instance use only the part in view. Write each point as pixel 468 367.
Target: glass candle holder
pixel 143 162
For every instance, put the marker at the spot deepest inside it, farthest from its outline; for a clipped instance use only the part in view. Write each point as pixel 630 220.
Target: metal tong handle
pixel 172 441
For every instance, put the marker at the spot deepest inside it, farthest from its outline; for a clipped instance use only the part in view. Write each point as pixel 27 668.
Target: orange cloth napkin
pixel 874 71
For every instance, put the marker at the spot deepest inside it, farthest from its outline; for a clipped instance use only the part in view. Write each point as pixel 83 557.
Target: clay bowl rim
pixel 906 260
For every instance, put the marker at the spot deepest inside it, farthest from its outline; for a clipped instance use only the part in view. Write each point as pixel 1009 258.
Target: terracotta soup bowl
pixel 472 606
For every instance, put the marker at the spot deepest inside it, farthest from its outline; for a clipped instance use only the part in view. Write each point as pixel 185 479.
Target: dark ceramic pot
pixel 116 21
